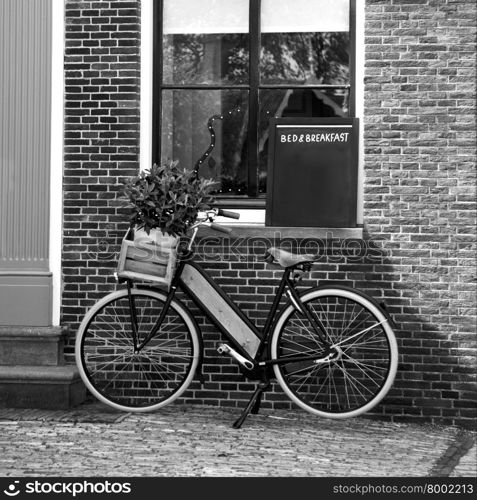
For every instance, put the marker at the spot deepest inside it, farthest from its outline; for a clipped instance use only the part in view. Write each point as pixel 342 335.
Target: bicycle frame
pixel 245 337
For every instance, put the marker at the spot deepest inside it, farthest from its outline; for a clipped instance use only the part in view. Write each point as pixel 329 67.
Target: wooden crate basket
pixel 148 259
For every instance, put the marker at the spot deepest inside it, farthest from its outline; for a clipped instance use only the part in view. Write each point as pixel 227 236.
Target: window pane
pixel 205 42
pixel 205 16
pixel 305 42
pixel 276 103
pixel 206 59
pixel 301 16
pixel 305 58
pixel 185 136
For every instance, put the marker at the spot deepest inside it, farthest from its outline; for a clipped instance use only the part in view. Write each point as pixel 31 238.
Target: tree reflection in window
pixel 305 58
pixel 205 59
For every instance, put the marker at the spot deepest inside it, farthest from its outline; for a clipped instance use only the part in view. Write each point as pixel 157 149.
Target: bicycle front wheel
pixel 137 381
pixel 365 358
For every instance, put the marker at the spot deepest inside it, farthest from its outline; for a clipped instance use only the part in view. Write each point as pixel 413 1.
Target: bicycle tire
pixel 144 381
pixel 360 377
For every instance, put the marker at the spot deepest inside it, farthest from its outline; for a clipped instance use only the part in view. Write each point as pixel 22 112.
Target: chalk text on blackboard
pixel 322 137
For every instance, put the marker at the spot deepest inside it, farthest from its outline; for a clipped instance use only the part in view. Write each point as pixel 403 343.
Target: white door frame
pixel 56 154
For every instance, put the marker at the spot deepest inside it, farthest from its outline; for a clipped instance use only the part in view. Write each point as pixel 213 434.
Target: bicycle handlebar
pixel 228 213
pixel 208 219
pixel 220 228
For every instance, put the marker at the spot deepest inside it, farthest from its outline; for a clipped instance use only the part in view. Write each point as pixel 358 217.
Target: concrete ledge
pixel 45 332
pixel 32 345
pixel 39 374
pixel 55 387
pixel 299 233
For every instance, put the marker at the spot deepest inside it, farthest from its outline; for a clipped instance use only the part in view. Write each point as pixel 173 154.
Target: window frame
pixel 252 200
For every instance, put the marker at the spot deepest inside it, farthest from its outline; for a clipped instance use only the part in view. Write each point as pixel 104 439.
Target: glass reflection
pixel 305 58
pixel 185 136
pixel 205 42
pixel 205 59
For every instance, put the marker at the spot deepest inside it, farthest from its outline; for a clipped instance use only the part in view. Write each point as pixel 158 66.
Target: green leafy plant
pixel 168 198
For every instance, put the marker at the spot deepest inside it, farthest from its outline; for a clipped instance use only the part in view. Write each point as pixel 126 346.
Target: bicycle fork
pixel 134 323
pixel 132 310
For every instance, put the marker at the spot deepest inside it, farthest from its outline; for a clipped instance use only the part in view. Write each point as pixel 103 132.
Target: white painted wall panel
pixel 25 114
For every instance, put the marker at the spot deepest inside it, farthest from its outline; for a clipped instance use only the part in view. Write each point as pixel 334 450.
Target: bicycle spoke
pixel 150 380
pixel 358 382
pixel 300 345
pixel 323 386
pixel 116 375
pixel 370 368
pixel 352 384
pixel 107 354
pixel 327 329
pixel 307 377
pixel 360 333
pixel 366 342
pixel 159 360
pixel 107 344
pixel 307 332
pixel 121 333
pixel 352 324
pixel 164 344
pixel 290 374
pixel 346 381
pixel 105 365
pixel 372 338
pixel 296 352
pixel 156 370
pixel 335 389
pixel 169 353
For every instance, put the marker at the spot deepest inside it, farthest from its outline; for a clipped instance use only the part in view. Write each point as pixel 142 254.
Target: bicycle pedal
pixel 226 349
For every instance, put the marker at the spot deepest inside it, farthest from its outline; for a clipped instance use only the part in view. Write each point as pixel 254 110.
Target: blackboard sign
pixel 312 172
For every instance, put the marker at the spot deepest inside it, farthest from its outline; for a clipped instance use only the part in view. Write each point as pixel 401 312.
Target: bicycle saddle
pixel 288 259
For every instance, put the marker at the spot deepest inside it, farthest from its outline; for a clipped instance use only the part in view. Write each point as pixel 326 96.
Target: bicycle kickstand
pixel 253 405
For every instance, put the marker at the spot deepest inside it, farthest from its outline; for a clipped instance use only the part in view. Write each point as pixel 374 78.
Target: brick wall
pixel 419 202
pixel 420 193
pixel 102 72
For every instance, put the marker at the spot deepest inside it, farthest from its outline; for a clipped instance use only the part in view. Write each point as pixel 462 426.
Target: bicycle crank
pixel 226 349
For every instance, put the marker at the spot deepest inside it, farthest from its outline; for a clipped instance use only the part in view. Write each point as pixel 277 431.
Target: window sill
pixel 233 203
pixel 262 231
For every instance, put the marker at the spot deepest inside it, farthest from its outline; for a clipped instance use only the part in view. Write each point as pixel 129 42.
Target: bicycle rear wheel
pixel 365 361
pixel 151 378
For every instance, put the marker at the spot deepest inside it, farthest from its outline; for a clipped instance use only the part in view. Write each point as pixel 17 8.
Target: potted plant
pixel 167 198
pixel 164 202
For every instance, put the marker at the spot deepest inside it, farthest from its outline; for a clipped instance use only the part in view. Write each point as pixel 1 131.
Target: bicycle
pixel 331 348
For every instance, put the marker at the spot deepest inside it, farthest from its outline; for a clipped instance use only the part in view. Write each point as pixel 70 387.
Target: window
pixel 244 62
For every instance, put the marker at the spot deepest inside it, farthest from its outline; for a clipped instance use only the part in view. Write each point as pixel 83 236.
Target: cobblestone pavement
pixel 199 441
pixel 466 466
